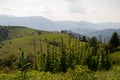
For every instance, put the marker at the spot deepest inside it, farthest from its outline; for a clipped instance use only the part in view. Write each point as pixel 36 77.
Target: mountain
pixel 105 30
pixel 79 27
pixel 36 22
pixel 106 33
pixel 41 23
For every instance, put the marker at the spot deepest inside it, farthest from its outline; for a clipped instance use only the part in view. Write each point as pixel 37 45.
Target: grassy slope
pixel 26 42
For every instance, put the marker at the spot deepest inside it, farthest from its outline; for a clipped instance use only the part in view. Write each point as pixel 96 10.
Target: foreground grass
pixel 113 74
pixel 34 75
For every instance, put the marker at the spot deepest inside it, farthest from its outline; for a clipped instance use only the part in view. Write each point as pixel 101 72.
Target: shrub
pixel 80 73
pixel 9 60
pixel 23 67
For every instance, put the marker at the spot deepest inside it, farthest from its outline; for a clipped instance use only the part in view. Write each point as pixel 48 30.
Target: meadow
pixel 28 54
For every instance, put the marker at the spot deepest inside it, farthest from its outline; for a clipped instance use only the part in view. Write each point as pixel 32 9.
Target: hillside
pixel 24 38
pixel 54 55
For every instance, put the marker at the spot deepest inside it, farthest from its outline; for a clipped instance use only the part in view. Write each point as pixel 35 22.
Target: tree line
pixel 3 33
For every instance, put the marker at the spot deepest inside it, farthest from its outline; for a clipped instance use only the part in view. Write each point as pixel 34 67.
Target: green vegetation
pixel 55 56
pixel 114 42
pixel 115 58
pixel 79 73
pixel 3 33
pixel 23 65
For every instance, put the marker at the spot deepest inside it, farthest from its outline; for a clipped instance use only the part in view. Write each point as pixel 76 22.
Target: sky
pixel 58 10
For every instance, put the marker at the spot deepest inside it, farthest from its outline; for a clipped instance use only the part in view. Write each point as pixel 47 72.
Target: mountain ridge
pixel 41 23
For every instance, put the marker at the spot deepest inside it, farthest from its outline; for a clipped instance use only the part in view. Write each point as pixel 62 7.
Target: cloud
pixel 5 8
pixel 76 10
pixel 76 6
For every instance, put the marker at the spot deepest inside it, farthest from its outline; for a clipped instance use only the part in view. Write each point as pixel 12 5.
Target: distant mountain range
pixel 41 23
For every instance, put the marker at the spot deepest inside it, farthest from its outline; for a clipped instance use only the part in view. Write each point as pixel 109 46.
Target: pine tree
pixel 114 41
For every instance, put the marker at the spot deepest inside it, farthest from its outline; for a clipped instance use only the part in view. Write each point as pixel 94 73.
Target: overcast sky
pixel 75 10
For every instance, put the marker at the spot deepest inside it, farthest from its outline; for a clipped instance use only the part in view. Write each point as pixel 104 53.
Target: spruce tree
pixel 114 41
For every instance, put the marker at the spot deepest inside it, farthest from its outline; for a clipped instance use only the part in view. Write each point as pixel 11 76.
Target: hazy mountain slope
pixel 78 27
pixel 35 22
pixel 41 23
pixel 106 33
pixel 86 27
pixel 89 29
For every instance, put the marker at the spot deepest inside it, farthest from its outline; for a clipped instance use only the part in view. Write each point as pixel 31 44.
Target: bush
pixel 8 60
pixel 23 66
pixel 80 73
